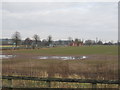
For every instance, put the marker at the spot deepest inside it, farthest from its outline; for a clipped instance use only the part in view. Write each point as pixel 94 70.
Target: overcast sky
pixel 84 20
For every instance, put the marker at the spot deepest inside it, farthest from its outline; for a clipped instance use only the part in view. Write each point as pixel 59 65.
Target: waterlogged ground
pixel 7 56
pixel 49 57
pixel 63 57
pixel 96 62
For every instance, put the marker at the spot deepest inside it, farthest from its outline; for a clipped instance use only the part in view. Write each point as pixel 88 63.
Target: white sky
pixel 86 20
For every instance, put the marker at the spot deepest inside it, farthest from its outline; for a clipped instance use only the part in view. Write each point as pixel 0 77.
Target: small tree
pixel 89 42
pixel 36 38
pixel 16 38
pixel 78 41
pixel 44 42
pixel 49 39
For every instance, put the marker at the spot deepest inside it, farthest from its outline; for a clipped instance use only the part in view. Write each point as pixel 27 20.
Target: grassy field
pixel 83 50
pixel 101 64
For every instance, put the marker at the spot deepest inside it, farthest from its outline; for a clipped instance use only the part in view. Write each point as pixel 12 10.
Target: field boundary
pixel 49 80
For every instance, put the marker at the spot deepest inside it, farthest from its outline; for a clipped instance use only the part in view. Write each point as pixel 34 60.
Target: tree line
pixel 16 37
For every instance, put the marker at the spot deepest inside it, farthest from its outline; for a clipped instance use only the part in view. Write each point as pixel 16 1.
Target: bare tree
pixel 44 42
pixel 89 42
pixel 49 39
pixel 36 38
pixel 16 38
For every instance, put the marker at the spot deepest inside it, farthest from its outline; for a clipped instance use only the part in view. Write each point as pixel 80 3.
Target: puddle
pixel 6 56
pixel 63 57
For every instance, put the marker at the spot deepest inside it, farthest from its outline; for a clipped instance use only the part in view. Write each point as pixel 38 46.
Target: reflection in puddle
pixel 6 56
pixel 63 57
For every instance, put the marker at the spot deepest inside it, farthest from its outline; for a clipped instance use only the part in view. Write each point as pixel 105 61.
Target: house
pixel 76 44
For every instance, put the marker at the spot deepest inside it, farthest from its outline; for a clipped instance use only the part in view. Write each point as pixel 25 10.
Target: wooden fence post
pixel 48 83
pixel 10 83
pixel 94 86
pixel 118 86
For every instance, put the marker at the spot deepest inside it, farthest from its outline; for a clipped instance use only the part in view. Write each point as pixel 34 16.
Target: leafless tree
pixel 49 39
pixel 89 42
pixel 16 38
pixel 36 38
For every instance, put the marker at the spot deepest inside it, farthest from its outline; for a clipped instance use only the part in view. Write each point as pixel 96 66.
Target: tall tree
pixel 49 39
pixel 36 38
pixel 16 38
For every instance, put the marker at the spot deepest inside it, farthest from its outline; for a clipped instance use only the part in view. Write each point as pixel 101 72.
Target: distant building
pixel 61 43
pixel 76 44
pixel 6 41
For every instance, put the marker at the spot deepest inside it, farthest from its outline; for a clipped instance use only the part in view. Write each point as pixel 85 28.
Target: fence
pixel 49 80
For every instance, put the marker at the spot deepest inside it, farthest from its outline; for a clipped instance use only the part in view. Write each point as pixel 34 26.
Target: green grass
pixel 83 50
